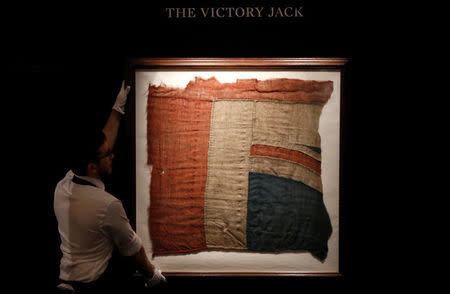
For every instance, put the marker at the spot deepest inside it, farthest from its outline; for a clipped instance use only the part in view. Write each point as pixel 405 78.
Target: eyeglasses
pixel 108 153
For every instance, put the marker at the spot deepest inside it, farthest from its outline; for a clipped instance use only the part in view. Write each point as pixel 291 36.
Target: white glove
pixel 156 279
pixel 121 99
pixel 66 287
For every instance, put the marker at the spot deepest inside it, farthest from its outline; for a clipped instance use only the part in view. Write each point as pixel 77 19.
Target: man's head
pixel 94 156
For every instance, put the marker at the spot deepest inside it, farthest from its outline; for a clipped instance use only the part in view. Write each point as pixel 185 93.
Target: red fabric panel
pixel 274 89
pixel 178 141
pixel 287 154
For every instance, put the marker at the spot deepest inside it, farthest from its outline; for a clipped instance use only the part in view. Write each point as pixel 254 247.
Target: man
pixel 93 224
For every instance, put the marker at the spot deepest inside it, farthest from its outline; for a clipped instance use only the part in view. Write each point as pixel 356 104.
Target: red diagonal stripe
pixel 287 154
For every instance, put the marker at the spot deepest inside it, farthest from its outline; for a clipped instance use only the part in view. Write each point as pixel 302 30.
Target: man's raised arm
pixel 111 127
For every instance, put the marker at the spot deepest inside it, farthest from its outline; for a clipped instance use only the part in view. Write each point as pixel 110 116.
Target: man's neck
pixel 95 179
pixel 94 175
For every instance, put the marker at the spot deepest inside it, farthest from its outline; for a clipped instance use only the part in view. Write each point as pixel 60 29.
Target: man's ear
pixel 91 168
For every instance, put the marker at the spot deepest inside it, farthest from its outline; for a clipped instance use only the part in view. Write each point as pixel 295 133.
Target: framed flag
pixel 237 164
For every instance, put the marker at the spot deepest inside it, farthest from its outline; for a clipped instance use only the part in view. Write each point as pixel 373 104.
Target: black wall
pixel 64 66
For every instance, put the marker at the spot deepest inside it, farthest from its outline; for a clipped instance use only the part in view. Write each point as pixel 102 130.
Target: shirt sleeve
pixel 117 226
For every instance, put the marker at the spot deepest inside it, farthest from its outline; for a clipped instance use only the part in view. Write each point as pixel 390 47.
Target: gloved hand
pixel 156 279
pixel 121 99
pixel 66 288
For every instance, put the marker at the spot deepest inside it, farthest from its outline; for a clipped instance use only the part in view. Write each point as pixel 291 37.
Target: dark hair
pixel 86 150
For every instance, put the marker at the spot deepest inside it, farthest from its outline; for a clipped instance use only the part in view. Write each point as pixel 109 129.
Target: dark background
pixel 64 66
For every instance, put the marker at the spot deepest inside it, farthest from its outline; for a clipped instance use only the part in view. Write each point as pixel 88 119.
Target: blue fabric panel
pixel 315 149
pixel 285 215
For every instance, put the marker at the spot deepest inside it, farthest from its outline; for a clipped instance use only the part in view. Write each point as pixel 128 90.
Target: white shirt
pixel 90 222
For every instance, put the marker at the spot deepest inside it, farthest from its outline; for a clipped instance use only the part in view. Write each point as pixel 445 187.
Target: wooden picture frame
pixel 189 67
